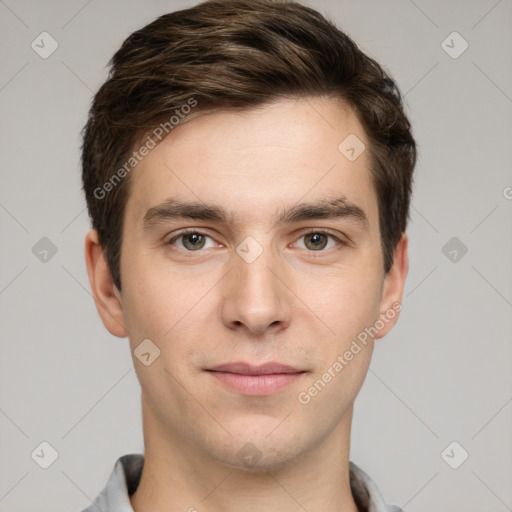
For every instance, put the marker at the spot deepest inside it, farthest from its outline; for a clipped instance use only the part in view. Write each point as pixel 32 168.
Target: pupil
pixel 194 239
pixel 318 242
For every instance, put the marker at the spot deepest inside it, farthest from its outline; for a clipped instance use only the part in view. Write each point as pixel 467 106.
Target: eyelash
pixel 310 232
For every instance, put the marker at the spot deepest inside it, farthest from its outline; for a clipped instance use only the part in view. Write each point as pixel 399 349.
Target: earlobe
pixel 106 296
pixel 392 291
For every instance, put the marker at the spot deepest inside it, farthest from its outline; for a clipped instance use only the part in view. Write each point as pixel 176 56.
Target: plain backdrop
pixel 442 376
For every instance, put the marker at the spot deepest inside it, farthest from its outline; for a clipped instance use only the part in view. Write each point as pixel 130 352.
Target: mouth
pixel 252 380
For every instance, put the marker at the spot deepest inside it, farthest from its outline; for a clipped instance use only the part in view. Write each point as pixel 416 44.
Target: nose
pixel 257 295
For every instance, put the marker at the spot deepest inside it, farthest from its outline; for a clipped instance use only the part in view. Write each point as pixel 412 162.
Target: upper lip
pixel 249 369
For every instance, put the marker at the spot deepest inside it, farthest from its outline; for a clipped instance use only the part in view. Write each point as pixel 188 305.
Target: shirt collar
pixel 125 477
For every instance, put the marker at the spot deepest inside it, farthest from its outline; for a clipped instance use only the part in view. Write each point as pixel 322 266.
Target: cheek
pixel 347 307
pixel 346 301
pixel 170 311
pixel 154 299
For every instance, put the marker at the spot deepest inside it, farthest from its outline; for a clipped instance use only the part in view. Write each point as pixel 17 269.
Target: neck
pixel 178 476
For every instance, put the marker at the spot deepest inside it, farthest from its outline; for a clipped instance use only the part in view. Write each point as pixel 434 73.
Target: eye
pixel 193 240
pixel 317 241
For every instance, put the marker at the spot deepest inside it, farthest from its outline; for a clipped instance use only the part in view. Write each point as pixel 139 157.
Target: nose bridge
pixel 254 262
pixel 256 296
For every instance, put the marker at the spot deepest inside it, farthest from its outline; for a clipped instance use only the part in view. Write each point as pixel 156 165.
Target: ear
pixel 393 287
pixel 106 295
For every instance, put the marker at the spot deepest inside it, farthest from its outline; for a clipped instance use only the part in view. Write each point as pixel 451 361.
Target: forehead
pixel 255 161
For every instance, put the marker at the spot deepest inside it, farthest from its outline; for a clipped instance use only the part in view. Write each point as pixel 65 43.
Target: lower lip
pixel 257 385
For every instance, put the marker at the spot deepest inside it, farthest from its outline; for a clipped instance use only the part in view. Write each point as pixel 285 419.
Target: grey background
pixel 442 375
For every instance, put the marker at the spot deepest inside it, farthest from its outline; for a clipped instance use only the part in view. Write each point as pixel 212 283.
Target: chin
pixel 258 454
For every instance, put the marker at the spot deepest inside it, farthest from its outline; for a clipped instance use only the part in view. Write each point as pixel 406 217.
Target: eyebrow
pixel 176 209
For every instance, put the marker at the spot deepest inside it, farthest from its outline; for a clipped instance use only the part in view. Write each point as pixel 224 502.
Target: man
pixel 248 174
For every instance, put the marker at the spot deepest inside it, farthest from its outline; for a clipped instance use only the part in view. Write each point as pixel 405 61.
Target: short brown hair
pixel 238 54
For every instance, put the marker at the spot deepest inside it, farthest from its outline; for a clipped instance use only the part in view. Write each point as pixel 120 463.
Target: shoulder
pixel 122 482
pixel 366 493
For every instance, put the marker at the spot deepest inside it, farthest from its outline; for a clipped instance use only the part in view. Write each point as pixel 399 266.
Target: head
pixel 251 124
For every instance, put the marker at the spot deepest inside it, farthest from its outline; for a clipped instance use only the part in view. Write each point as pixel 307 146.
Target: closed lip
pixel 242 368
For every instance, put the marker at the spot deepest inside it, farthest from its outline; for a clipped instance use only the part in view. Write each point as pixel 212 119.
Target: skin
pixel 293 304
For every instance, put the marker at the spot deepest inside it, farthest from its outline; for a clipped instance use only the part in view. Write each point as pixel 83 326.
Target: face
pixel 256 308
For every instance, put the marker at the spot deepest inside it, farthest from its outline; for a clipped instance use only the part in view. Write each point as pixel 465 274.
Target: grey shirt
pixel 125 477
